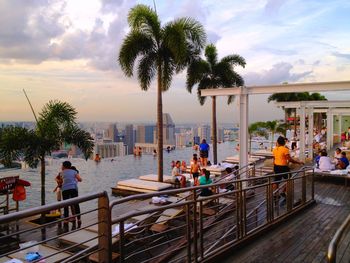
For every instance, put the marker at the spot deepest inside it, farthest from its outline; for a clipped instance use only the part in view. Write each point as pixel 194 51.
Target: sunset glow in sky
pixel 67 50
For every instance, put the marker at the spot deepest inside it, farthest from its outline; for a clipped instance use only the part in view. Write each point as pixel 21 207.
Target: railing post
pixel 303 188
pixel 188 232
pixel 289 193
pixel 243 214
pixel 195 234
pixel 104 230
pixel 313 185
pixel 201 229
pixel 121 242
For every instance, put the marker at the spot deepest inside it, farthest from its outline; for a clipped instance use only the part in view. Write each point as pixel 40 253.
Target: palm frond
pixel 80 138
pixel 234 60
pixel 230 99
pixel 211 55
pixel 200 98
pixel 195 72
pixel 144 19
pixel 147 69
pixel 135 44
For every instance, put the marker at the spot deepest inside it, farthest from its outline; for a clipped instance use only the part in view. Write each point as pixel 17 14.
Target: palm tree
pixel 159 50
pixel 256 128
pixel 274 127
pixel 56 125
pixel 12 140
pixel 211 73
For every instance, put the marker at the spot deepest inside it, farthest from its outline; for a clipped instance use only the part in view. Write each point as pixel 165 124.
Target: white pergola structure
pixel 308 108
pixel 243 95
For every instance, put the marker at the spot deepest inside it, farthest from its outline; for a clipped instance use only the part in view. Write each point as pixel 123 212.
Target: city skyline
pixel 57 50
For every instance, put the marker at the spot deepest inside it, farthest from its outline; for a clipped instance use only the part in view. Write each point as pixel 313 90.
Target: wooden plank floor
pixel 305 237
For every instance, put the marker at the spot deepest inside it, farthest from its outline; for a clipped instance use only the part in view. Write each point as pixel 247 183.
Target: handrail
pixel 181 190
pixel 333 245
pixel 42 209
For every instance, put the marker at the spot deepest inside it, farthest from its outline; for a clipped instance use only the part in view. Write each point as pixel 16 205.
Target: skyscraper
pixel 112 132
pixel 168 130
pixel 204 132
pixel 145 133
pixel 129 138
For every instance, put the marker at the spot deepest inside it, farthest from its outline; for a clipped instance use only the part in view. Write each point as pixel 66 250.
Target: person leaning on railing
pixel 281 158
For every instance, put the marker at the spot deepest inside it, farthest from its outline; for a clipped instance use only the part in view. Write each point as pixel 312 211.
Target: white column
pixel 340 119
pixel 311 131
pixel 302 133
pixel 329 129
pixel 243 128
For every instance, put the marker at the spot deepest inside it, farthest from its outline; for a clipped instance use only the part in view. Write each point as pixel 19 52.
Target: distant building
pixel 183 139
pixel 204 132
pixel 220 135
pixel 168 130
pixel 129 138
pixel 145 133
pixel 112 132
pixel 196 140
pixel 109 149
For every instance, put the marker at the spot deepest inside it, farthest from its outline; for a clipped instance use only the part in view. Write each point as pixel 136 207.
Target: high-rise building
pixel 168 130
pixel 129 138
pixel 112 132
pixel 204 132
pixel 109 149
pixel 145 133
pixel 220 135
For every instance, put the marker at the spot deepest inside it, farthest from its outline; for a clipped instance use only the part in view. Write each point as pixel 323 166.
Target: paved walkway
pixel 305 237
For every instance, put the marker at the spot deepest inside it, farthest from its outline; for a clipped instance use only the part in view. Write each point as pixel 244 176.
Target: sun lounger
pixel 162 222
pixel 44 250
pixel 141 186
pixel 154 178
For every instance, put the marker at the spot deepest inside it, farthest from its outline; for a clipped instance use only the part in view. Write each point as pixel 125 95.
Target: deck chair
pixel 162 222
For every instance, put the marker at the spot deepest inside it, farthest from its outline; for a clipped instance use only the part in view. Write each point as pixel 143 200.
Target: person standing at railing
pixel 70 190
pixel 195 169
pixel 281 158
pixel 204 152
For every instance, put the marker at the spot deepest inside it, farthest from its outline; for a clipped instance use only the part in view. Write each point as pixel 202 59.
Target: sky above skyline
pixel 67 50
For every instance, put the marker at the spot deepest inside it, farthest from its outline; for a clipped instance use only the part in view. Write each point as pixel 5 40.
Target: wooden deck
pixel 305 237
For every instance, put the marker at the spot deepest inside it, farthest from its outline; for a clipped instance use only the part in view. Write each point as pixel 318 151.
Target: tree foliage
pixel 56 125
pixel 212 73
pixel 159 51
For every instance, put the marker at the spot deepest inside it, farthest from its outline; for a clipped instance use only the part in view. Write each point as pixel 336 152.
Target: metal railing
pixel 50 238
pixel 336 240
pixel 192 228
pixel 203 227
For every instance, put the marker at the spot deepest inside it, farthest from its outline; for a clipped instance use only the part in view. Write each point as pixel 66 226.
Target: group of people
pixel 200 175
pixel 67 187
pixel 326 163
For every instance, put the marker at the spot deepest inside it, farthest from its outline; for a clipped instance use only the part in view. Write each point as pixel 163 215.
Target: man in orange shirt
pixel 281 158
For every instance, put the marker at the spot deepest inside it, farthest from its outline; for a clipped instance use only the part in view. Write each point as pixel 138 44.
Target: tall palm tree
pixel 274 127
pixel 211 73
pixel 56 125
pixel 256 128
pixel 159 50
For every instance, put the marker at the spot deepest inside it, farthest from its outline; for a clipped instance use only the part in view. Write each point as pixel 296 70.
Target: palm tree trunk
pixel 272 139
pixel 42 172
pixel 295 123
pixel 160 125
pixel 214 131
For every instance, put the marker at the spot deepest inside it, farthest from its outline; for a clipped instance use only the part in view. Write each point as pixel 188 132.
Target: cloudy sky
pixel 67 50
